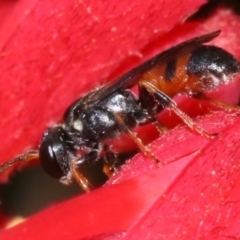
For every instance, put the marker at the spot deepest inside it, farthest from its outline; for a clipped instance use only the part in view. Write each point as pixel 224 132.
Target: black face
pixel 55 151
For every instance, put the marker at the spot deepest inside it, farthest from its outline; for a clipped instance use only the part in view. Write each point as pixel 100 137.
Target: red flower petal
pixel 204 201
pixel 149 203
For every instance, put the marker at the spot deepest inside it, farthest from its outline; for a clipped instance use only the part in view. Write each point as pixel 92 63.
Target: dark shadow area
pixel 206 10
pixel 31 190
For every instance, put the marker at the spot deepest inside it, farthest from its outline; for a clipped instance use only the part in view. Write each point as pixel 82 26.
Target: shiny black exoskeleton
pixel 188 68
pixel 86 129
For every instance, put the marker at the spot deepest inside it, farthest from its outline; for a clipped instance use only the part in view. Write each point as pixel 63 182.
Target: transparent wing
pixel 130 78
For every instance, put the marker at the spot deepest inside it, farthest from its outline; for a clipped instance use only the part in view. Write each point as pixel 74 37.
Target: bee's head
pixel 56 152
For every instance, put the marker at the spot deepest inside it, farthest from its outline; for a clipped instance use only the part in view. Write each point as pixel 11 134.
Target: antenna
pixel 25 157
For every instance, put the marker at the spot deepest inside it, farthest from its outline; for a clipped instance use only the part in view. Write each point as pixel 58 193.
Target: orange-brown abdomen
pixel 193 72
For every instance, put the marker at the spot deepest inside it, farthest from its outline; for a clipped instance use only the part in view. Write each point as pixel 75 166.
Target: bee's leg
pixel 166 101
pixel 88 159
pixel 137 140
pixel 110 162
pixel 160 126
pixel 152 106
pixel 220 104
pixel 81 180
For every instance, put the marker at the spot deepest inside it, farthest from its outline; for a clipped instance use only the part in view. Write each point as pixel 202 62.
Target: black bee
pixel 188 68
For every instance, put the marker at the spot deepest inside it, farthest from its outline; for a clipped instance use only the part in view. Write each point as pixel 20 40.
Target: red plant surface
pixel 54 51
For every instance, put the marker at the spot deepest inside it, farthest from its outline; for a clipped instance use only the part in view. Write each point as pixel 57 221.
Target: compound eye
pixel 49 161
pixel 52 154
